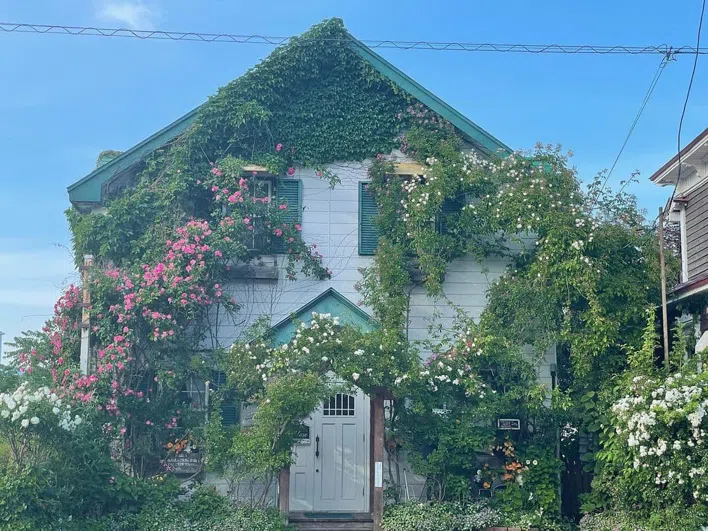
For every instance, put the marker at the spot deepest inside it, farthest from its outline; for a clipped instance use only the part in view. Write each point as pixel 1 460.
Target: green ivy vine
pixel 581 263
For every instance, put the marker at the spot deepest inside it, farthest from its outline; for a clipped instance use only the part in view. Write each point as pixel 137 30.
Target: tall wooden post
pixel 664 312
pixel 284 491
pixel 85 314
pixel 377 446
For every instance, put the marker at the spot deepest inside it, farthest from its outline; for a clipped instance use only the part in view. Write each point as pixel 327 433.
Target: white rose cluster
pixel 320 331
pixel 663 425
pixel 24 408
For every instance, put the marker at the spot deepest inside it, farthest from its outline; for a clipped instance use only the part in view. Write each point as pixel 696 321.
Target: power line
pixel 584 49
pixel 647 97
pixel 685 102
pixel 655 80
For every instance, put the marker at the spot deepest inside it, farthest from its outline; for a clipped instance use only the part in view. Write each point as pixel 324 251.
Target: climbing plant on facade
pixel 165 244
pixel 185 217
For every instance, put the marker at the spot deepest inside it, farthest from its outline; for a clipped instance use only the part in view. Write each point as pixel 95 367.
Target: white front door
pixel 331 471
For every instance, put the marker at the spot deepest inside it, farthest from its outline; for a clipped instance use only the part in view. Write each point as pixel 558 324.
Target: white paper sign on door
pixel 378 475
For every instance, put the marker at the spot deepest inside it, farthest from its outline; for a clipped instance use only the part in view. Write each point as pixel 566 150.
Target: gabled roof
pixel 668 173
pixel 88 189
pixel 329 301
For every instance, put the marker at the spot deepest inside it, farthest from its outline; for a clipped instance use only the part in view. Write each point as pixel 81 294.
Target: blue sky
pixel 65 99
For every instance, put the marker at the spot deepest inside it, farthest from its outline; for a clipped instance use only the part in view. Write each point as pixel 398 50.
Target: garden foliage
pixel 582 270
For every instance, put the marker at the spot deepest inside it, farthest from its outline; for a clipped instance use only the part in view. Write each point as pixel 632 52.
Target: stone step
pixel 338 525
pixel 358 522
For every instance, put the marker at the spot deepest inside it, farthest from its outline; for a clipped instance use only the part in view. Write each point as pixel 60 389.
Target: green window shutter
pixel 230 414
pixel 230 408
pixel 450 207
pixel 368 235
pixel 288 191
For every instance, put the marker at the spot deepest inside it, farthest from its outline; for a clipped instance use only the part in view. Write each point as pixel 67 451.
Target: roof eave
pixel 88 189
pixel 660 175
pixel 478 136
pixel 329 292
pixel 689 289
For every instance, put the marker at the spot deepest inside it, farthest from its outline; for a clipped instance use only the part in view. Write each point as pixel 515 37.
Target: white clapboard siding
pixel 330 219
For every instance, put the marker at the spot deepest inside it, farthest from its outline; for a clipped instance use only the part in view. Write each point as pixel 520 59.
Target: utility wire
pixel 655 80
pixel 663 49
pixel 685 103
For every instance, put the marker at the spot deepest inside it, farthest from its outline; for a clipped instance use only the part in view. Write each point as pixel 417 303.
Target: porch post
pixel 377 451
pixel 284 491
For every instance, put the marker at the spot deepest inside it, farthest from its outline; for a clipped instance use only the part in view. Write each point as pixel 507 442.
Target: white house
pixel 339 465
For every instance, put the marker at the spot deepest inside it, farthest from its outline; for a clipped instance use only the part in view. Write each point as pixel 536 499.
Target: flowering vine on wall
pixel 190 213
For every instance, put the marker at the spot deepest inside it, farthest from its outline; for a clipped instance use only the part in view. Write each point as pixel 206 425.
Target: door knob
pixel 317 448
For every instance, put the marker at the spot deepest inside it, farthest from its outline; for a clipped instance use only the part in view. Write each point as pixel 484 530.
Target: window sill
pixel 254 271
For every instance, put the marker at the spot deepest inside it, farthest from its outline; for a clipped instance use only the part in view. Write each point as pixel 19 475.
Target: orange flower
pixel 486 485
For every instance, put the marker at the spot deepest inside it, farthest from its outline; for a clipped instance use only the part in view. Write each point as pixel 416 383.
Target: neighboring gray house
pixel 339 467
pixel 689 210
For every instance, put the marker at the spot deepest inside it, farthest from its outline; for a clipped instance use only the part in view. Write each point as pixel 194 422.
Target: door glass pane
pixel 340 405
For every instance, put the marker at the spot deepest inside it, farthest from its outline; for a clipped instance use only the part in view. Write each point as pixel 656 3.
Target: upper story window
pixel 288 191
pixel 279 191
pixel 368 233
pixel 259 238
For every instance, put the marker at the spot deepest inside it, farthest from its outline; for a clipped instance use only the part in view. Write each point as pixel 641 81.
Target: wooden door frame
pixel 376 452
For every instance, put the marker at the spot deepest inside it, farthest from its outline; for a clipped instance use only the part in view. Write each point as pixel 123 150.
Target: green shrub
pixel 675 517
pixel 23 503
pixel 205 503
pixel 480 514
pixel 610 521
pixel 477 515
pixel 419 517
pixel 176 517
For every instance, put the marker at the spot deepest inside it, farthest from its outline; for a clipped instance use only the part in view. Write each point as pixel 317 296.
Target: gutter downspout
pixel 684 244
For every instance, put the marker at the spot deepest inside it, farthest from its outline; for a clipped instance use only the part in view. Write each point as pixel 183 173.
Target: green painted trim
pixel 474 133
pixel 88 189
pixel 282 332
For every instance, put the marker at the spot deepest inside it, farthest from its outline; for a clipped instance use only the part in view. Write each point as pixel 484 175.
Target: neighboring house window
pixel 288 191
pixel 368 235
pixel 230 408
